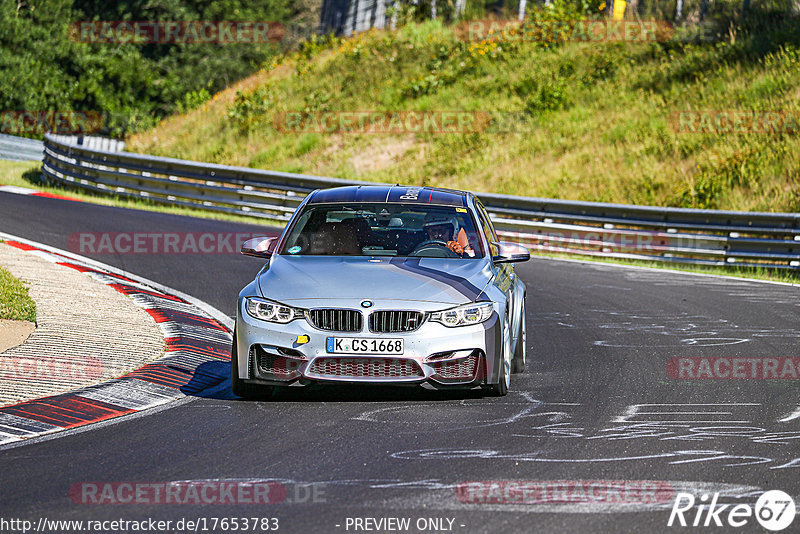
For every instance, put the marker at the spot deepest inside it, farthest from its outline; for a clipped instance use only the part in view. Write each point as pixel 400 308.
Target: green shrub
pixel 132 85
pixel 193 100
pixel 250 108
pixel 547 96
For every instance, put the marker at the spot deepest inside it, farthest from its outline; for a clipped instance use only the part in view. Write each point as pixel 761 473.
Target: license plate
pixel 361 345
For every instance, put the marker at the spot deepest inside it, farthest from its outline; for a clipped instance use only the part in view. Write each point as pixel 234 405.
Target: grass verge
pixel 15 303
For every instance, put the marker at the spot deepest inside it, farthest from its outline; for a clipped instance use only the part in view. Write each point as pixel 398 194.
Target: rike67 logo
pixel 774 510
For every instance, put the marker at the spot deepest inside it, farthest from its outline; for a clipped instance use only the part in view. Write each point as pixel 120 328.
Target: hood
pixel 450 281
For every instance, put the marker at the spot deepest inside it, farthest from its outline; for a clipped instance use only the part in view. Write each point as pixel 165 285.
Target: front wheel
pixel 501 388
pixel 504 380
pixel 520 352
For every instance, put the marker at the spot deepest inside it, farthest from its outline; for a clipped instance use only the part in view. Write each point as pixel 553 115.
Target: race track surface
pixel 596 403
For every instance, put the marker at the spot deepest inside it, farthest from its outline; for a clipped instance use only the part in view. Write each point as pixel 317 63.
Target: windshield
pixel 384 230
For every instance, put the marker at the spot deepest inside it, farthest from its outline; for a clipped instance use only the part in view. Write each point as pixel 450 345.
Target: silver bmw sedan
pixel 382 285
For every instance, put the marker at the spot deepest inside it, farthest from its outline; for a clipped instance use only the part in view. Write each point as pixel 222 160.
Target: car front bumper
pixel 270 354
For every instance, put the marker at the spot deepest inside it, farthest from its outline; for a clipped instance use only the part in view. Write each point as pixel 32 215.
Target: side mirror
pixel 510 253
pixel 259 247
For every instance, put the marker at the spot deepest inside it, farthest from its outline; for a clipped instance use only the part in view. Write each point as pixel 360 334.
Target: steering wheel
pixel 438 248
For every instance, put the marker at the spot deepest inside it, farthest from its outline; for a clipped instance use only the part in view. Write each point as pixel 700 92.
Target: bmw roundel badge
pixel 366 303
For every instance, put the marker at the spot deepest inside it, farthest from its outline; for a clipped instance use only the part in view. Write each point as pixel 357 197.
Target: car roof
pixel 405 194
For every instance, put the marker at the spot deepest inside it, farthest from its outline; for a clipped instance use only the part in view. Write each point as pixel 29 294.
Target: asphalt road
pixel 20 149
pixel 595 404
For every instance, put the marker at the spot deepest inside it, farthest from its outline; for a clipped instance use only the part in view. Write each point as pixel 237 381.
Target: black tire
pixel 500 389
pixel 518 362
pixel 239 387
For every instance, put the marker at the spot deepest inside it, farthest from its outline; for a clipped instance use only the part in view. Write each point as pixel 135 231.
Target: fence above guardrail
pixel 545 225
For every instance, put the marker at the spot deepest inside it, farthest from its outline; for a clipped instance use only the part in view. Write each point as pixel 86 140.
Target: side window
pixel 488 229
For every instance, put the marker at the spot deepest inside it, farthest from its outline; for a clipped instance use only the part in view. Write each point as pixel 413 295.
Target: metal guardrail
pixel 544 225
pixel 20 149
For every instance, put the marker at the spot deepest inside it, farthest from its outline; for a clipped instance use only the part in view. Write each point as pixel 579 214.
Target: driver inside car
pixel 447 231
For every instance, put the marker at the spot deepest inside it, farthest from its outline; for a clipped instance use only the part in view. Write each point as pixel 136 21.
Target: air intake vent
pixel 275 367
pixel 458 370
pixel 366 368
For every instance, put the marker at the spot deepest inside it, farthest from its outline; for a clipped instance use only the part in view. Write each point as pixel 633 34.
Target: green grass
pixel 27 174
pixel 15 303
pixel 592 120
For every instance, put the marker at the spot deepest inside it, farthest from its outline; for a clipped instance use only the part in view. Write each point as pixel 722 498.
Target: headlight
pixel 464 315
pixel 273 312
